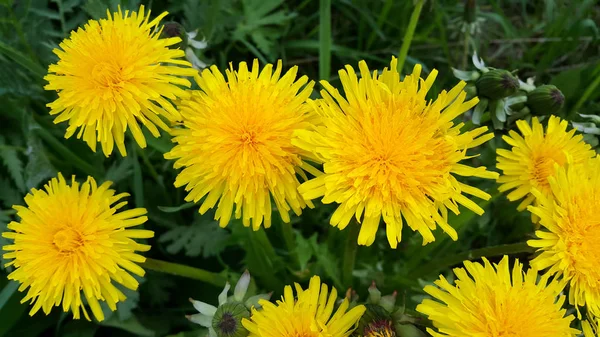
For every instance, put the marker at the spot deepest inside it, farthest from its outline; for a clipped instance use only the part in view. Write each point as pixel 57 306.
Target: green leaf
pixel 79 329
pixel 38 168
pixel 120 170
pixel 131 325
pixel 304 250
pixel 11 160
pixel 10 307
pixel 4 220
pixel 8 194
pixel 327 261
pixel 202 237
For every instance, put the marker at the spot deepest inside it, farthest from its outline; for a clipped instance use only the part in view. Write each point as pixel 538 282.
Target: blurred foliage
pixel 555 41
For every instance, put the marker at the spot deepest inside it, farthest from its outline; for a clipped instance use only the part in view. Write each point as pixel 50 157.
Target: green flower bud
pixel 174 29
pixel 497 84
pixel 227 321
pixel 545 100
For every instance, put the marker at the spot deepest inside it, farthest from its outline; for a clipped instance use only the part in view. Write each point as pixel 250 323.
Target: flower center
pixel 249 138
pixel 107 75
pixel 543 167
pixel 67 240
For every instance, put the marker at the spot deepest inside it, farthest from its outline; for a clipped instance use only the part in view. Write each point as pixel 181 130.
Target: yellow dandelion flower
pixel 533 155
pixel 568 240
pixel 492 301
pixel 71 238
pixel 236 143
pixel 389 153
pixel 113 74
pixel 307 315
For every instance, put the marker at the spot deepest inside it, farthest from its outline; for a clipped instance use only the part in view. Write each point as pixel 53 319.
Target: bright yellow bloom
pixel 569 240
pixel 71 239
pixel 533 155
pixel 307 315
pixel 494 302
pixel 115 73
pixel 236 144
pixel 389 153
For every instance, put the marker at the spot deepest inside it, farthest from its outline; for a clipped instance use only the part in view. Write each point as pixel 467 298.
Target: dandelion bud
pixel 497 83
pixel 545 100
pixel 227 321
pixel 174 29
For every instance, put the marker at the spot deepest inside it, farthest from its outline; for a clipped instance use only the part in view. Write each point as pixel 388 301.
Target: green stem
pixel 408 36
pixel 447 262
pixel 288 236
pixel 185 271
pixel 350 253
pixel 324 39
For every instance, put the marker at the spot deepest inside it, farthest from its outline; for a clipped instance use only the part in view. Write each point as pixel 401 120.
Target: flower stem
pixel 350 253
pixel 408 36
pixel 444 263
pixel 185 271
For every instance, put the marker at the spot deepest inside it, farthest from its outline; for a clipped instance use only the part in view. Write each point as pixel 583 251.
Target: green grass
pixel 554 41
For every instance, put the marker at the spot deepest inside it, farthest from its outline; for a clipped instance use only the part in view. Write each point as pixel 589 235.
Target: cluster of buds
pixel 225 320
pixel 384 319
pixel 504 98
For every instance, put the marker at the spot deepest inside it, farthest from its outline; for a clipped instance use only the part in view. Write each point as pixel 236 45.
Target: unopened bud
pixel 174 29
pixel 497 84
pixel 545 100
pixel 227 321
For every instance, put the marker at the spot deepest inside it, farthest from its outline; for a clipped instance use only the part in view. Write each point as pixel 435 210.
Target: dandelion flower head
pixel 309 314
pixel 533 155
pixel 493 301
pixel 72 243
pixel 389 153
pixel 235 146
pixel 114 74
pixel 570 228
